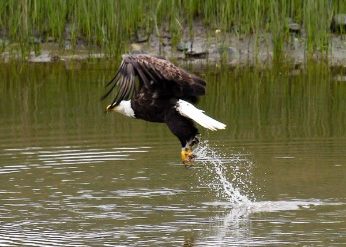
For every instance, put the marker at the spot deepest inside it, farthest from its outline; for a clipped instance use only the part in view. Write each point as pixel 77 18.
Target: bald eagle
pixel 153 89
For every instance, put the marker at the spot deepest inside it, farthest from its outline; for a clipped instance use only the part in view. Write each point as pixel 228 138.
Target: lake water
pixel 73 176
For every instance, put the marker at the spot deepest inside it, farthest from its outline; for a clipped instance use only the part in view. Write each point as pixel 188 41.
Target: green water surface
pixel 71 175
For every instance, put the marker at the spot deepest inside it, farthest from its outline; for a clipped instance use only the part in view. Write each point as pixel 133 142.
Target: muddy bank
pixel 207 47
pixel 249 50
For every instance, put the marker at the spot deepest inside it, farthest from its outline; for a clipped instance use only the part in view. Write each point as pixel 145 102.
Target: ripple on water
pixel 43 157
pixel 231 226
pixel 236 222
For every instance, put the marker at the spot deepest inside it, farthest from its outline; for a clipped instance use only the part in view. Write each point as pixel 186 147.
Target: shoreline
pixel 227 49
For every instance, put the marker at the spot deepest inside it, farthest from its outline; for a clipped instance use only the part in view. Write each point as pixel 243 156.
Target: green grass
pixel 108 25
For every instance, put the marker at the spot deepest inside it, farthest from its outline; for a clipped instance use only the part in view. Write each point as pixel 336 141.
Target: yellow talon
pixel 187 157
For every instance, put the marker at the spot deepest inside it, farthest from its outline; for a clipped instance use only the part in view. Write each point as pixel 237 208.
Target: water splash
pixel 228 175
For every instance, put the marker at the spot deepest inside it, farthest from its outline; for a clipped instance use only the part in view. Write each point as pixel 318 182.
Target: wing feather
pixel 162 71
pixel 155 73
pixel 142 76
pixel 123 81
pixel 116 75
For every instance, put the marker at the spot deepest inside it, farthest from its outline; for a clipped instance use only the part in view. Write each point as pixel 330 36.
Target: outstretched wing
pixel 157 75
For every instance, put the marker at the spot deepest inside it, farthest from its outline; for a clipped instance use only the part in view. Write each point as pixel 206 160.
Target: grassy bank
pixel 109 25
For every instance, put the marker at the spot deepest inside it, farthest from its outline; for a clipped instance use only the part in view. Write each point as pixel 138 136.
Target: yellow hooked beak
pixel 108 109
pixel 187 157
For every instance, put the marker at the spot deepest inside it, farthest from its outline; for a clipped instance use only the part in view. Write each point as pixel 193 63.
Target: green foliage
pixel 108 25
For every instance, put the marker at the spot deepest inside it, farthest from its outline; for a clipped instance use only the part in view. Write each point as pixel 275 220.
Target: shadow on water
pixel 72 175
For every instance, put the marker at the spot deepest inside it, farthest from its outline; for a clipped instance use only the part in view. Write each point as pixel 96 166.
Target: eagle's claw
pixel 187 156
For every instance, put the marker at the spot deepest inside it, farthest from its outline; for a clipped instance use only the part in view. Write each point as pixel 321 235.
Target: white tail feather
pixel 190 111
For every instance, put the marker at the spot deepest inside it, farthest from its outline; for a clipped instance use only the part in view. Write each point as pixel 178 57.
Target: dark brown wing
pixel 167 78
pixel 157 75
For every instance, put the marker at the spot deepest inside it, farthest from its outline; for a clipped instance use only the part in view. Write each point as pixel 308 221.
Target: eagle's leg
pixel 184 129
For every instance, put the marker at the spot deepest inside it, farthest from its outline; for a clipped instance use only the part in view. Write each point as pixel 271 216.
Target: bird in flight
pixel 152 88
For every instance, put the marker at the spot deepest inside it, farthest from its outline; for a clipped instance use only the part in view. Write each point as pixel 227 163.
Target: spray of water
pixel 228 175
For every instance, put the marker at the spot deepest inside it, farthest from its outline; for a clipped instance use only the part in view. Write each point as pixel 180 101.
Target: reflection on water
pixel 73 176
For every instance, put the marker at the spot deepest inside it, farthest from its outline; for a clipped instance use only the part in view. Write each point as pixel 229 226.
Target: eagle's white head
pixel 124 107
